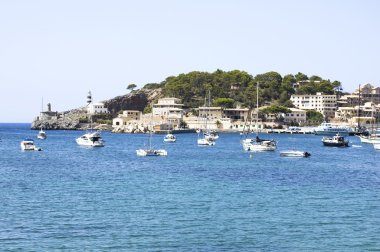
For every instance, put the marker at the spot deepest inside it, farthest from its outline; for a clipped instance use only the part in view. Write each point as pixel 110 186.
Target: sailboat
pixel 170 138
pixel 150 151
pixel 42 134
pixel 204 139
pixel 373 137
pixel 258 144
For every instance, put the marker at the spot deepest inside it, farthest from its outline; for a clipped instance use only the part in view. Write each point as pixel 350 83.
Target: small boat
pixel 335 141
pixel 150 151
pixel 376 146
pixel 211 135
pixel 259 144
pixel 28 145
pixel 170 138
pixel 294 153
pixel 372 139
pixel 205 142
pixel 41 134
pixel 91 139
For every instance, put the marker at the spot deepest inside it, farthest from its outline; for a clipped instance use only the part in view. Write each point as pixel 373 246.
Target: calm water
pixel 195 199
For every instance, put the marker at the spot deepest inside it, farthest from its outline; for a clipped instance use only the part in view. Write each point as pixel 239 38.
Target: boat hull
pixel 143 153
pixel 295 154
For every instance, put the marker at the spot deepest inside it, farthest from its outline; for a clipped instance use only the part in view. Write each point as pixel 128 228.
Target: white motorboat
pixel 376 146
pixel 41 134
pixel 330 129
pixel 259 145
pixel 28 145
pixel 372 139
pixel 205 142
pixel 294 153
pixel 170 138
pixel 335 141
pixel 91 139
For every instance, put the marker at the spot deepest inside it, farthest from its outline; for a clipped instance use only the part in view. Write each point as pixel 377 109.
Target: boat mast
pixel 359 111
pixel 257 109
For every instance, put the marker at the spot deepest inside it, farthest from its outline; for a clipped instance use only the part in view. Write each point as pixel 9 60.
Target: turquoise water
pixel 195 199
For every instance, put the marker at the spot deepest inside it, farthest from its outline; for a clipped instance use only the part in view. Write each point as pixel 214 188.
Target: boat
pixel 41 134
pixel 211 135
pixel 150 151
pixel 170 138
pixel 28 145
pixel 374 136
pixel 376 146
pixel 329 129
pixel 206 139
pixel 335 141
pixel 91 139
pixel 258 144
pixel 294 153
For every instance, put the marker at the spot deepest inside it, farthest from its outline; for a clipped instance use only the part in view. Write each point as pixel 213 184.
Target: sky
pixel 56 51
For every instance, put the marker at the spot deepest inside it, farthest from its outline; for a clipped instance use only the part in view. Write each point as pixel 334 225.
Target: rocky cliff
pixel 76 119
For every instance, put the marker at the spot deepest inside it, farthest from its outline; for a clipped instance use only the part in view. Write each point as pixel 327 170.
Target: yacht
pixel 28 145
pixel 91 139
pixel 330 129
pixel 41 134
pixel 259 144
pixel 170 138
pixel 205 142
pixel 335 141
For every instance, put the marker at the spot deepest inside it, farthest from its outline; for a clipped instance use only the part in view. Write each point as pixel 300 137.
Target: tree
pixel 276 110
pixel 147 110
pixel 131 86
pixel 301 77
pixel 224 102
pixel 314 117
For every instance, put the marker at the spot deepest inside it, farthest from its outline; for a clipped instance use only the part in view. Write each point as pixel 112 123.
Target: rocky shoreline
pixel 77 119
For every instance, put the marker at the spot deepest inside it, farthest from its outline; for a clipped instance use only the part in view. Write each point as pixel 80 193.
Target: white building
pixel 96 108
pixel 168 108
pixel 325 104
pixel 295 116
pixel 126 117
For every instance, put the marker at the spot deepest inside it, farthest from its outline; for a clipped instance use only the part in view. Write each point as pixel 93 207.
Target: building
pixel 94 108
pixel 168 106
pixel 348 101
pixel 368 113
pixel 325 104
pixel 48 114
pixel 295 116
pixel 126 117
pixel 368 93
pixel 210 112
pixel 303 82
pixel 236 113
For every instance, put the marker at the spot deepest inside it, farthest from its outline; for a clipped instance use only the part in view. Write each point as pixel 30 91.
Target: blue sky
pixel 59 50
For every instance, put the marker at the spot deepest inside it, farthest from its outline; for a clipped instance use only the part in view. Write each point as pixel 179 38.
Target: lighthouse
pixel 89 98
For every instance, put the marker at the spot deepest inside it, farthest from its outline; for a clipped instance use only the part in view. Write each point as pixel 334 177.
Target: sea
pixel 215 198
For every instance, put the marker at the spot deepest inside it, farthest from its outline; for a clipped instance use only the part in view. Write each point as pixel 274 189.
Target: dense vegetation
pixel 236 87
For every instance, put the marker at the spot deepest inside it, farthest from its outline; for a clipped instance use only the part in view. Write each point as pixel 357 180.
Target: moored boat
pixel 41 134
pixel 28 145
pixel 294 153
pixel 170 138
pixel 91 139
pixel 335 141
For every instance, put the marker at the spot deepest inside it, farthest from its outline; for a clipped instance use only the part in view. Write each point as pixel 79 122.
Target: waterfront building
pixel 325 104
pixel 126 117
pixel 295 116
pixel 368 113
pixel 210 112
pixel 48 114
pixel 168 107
pixel 236 113
pixel 368 93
